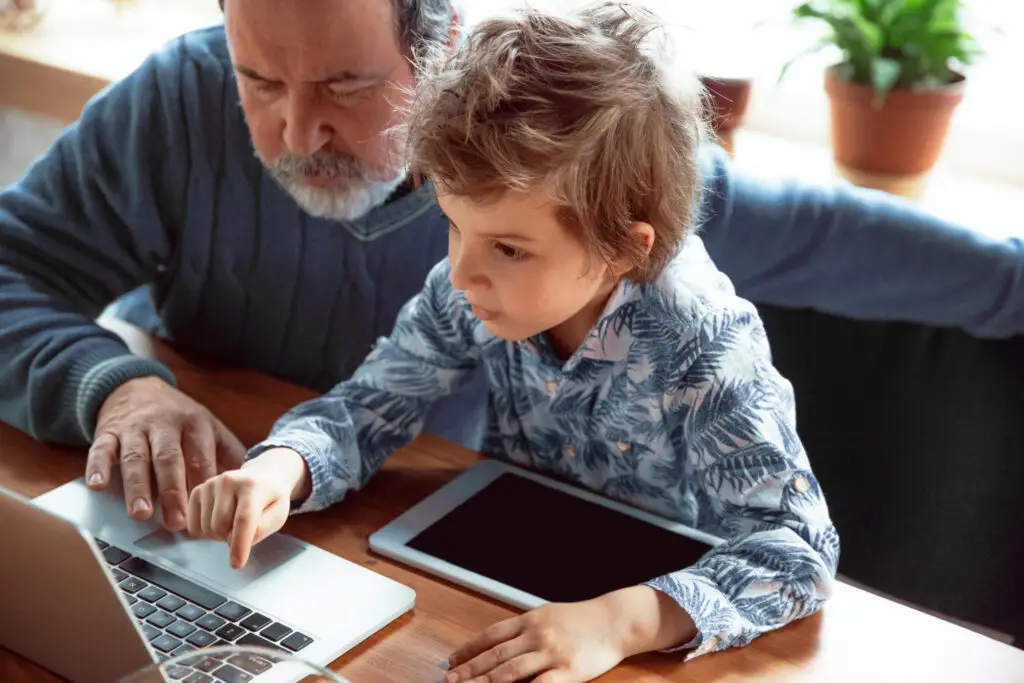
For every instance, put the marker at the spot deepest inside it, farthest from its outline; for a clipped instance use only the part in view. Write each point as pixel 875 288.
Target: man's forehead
pixel 312 39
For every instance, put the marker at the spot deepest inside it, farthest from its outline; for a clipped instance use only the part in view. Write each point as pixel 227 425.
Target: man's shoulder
pixel 199 53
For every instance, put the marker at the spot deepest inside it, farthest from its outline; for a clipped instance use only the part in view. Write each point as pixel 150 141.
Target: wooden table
pixel 858 638
pixel 80 46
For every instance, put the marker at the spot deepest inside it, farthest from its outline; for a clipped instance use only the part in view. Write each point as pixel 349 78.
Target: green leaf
pixel 817 47
pixel 925 38
pixel 884 75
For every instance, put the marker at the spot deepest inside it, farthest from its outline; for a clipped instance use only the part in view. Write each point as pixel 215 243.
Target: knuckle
pixel 167 455
pixel 515 670
pixel 500 652
pixel 545 638
pixel 134 456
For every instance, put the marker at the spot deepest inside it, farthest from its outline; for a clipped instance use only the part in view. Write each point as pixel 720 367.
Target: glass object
pixel 234 663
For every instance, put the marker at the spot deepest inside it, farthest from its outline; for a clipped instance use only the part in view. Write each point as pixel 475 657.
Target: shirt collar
pixel 610 338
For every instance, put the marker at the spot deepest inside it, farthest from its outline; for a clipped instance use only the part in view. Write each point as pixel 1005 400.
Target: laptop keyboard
pixel 179 616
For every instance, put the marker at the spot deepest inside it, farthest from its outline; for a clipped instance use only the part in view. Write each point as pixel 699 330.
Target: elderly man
pixel 283 235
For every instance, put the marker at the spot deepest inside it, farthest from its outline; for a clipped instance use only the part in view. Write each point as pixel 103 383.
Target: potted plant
pixel 728 99
pixel 895 89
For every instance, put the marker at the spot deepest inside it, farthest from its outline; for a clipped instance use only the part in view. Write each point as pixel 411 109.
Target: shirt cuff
pixel 316 460
pixel 703 602
pixel 101 376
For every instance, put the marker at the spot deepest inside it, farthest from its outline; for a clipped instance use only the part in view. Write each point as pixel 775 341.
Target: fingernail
pixel 95 479
pixel 140 506
pixel 452 678
pixel 175 519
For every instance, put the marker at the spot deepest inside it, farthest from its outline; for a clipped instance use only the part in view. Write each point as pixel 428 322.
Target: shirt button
pixel 622 446
pixel 801 485
pixel 569 452
pixel 550 386
pixel 709 645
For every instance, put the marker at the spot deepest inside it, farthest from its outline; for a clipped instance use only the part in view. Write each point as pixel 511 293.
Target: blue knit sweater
pixel 157 185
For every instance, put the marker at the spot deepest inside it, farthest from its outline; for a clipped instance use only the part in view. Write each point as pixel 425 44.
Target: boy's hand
pixel 558 643
pixel 245 506
pixel 572 643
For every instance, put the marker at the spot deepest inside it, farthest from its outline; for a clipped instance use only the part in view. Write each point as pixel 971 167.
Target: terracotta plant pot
pixel 728 99
pixel 902 137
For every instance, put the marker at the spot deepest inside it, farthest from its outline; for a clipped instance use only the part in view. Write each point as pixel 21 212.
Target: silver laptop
pixel 94 596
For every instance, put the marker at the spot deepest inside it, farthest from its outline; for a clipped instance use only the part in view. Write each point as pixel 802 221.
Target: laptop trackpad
pixel 211 558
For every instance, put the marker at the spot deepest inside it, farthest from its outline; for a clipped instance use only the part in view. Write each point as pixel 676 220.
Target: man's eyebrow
pixel 250 73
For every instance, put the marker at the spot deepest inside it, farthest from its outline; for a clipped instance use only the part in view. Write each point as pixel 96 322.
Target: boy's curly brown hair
pixel 582 106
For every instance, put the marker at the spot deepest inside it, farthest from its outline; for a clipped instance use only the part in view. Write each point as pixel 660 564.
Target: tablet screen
pixel 551 544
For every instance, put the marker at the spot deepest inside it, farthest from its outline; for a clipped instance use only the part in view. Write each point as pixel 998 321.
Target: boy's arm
pixel 857 253
pixel 736 429
pixel 345 435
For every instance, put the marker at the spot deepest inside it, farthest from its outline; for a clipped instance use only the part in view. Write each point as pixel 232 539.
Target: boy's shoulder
pixel 689 303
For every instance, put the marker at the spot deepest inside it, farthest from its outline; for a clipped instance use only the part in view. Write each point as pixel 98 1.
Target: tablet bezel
pixel 392 540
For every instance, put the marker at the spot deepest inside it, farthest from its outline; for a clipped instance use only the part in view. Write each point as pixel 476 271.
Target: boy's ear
pixel 643 234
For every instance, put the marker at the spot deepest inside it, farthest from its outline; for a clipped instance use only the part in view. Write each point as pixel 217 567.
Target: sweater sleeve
pixel 345 435
pixel 857 253
pixel 734 425
pixel 89 221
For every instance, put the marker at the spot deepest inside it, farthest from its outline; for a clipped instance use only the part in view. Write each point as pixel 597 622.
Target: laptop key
pixel 198 677
pixel 131 599
pixel 143 610
pixel 176 673
pixel 275 631
pixel 160 619
pixel 253 639
pixel 189 613
pixel 201 639
pixel 172 582
pixel 206 664
pixel 150 632
pixel 211 622
pixel 251 663
pixel 232 611
pixel 230 674
pixel 119 575
pixel 166 643
pixel 114 555
pixel 132 585
pixel 103 545
pixel 181 629
pixel 230 632
pixel 254 622
pixel 296 641
pixel 152 594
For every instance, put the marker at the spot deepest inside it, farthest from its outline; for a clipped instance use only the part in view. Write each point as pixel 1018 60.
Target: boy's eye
pixel 509 252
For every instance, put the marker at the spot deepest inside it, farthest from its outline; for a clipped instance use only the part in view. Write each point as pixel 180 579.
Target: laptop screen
pixel 551 544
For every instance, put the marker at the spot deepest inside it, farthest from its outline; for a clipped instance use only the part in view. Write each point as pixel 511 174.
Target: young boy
pixel 618 357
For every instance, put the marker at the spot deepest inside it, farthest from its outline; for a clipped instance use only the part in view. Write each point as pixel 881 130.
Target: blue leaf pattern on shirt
pixel 671 405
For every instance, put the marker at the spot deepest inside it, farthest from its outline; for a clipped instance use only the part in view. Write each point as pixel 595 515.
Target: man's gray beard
pixel 356 196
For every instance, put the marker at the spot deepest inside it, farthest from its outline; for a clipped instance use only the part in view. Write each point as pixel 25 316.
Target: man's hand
pixel 155 432
pixel 573 642
pixel 245 506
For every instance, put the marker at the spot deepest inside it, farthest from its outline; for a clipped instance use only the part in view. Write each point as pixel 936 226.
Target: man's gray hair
pixel 421 23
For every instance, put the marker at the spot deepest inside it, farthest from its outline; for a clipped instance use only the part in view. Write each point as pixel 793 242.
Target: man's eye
pixel 266 87
pixel 509 252
pixel 349 94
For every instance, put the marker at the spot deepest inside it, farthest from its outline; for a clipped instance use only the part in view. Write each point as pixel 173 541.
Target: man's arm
pixel 345 435
pixel 735 425
pixel 89 221
pixel 857 253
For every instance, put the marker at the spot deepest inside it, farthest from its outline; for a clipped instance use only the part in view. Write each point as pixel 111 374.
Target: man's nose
pixel 307 128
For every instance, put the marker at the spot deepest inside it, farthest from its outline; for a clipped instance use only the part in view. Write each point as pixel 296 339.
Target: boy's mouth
pixel 483 313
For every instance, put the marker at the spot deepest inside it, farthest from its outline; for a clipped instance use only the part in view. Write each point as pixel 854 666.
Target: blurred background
pixel 50 66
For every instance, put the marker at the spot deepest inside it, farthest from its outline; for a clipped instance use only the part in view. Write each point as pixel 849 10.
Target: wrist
pixel 286 466
pixel 647 620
